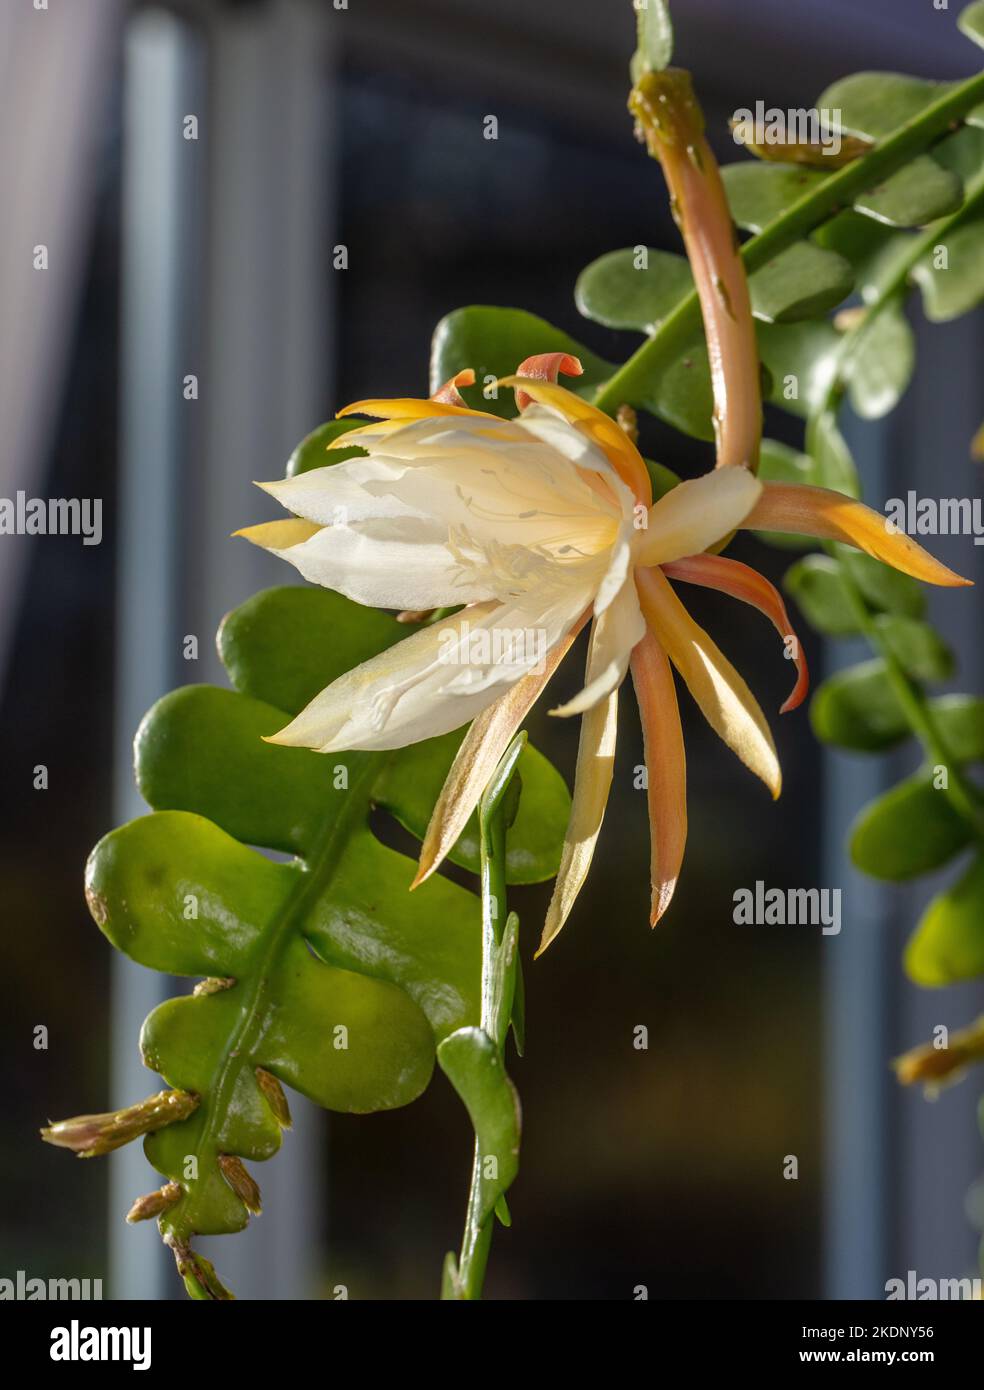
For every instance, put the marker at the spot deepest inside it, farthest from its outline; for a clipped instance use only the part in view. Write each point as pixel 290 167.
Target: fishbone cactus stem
pixel 323 974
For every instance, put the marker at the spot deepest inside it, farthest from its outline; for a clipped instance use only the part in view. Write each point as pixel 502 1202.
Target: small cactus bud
pixel 245 1187
pixel 154 1203
pixel 90 1135
pixel 935 1067
pixel 213 985
pixel 275 1098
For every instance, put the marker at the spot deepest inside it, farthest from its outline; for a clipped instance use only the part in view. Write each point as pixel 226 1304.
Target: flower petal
pixel 725 700
pixel 480 753
pixel 463 515
pixel 697 514
pixel 666 769
pixel 614 634
pixel 592 782
pixel 279 536
pixel 382 563
pixel 410 408
pixel 817 511
pixel 744 583
pixel 503 489
pixel 341 493
pixel 501 465
pixel 435 680
pixel 599 427
pixel 392 415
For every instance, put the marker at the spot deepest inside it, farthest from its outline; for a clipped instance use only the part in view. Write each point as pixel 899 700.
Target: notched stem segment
pixel 669 119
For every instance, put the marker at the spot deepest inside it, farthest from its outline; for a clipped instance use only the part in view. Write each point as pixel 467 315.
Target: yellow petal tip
pixel 280 741
pixel 545 941
pixel 430 860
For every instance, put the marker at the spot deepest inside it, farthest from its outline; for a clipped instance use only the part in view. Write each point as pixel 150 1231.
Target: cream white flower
pixel 533 526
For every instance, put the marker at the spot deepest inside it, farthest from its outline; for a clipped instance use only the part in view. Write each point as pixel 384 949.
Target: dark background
pixel 659 1167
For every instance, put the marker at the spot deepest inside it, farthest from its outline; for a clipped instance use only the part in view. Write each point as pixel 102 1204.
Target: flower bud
pixel 213 985
pixel 275 1098
pixel 154 1203
pixel 242 1183
pixel 89 1135
pixel 936 1067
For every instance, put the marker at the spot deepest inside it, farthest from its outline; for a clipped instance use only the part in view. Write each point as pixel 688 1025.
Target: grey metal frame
pixel 227 290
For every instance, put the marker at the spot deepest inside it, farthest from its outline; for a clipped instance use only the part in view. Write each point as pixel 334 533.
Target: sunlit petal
pixel 278 536
pixel 724 699
pixel 615 632
pixel 409 408
pixel 514 490
pixel 666 769
pixel 599 427
pixel 744 583
pixel 462 516
pixel 697 514
pixel 341 493
pixel 391 562
pixel 480 753
pixel 592 782
pixel 435 680
pixel 817 511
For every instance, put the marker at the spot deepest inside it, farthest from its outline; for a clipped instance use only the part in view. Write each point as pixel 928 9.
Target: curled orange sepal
pixel 744 583
pixel 449 394
pixel 545 366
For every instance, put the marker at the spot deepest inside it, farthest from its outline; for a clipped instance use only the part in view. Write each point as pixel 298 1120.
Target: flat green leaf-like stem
pixel 324 972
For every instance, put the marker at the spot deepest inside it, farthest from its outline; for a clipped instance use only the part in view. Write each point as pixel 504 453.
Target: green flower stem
pixel 678 329
pixel 671 121
pixel 496 812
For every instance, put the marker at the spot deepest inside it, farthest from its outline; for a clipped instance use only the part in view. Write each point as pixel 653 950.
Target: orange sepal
pixel 666 769
pixel 744 583
pixel 805 510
